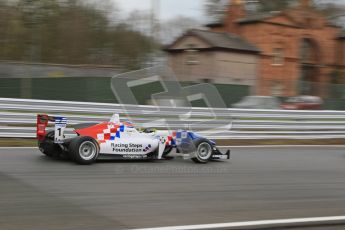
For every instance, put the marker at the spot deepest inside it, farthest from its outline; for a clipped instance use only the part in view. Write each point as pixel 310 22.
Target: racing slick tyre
pixel 203 152
pixel 48 147
pixel 84 150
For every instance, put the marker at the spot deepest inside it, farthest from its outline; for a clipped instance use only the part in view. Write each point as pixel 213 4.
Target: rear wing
pixel 60 126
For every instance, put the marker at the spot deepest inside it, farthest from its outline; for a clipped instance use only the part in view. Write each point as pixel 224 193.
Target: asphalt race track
pixel 257 184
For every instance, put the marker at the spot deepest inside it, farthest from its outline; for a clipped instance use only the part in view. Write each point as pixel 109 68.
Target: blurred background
pixel 258 53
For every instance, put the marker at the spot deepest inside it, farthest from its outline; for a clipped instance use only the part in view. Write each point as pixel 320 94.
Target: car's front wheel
pixel 84 150
pixel 203 152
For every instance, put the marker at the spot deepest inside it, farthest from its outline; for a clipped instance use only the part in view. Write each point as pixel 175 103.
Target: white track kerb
pixel 257 224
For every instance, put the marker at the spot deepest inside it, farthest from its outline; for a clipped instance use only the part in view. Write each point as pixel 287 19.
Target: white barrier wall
pixel 18 118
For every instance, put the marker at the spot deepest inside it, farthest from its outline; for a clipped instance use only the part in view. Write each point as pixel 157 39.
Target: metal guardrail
pixel 18 117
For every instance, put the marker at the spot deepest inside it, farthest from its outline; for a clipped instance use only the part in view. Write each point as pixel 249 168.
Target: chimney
pixel 305 3
pixel 236 2
pixel 236 10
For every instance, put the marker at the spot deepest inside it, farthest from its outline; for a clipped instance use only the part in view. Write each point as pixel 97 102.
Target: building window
pixel 278 56
pixel 309 22
pixel 277 89
pixel 192 55
pixel 309 52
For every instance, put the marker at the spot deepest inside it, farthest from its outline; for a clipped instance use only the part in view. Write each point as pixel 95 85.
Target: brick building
pixel 300 51
pixel 206 56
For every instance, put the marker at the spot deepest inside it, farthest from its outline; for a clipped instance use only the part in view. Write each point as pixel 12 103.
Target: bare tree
pixel 215 8
pixel 70 32
pixel 173 28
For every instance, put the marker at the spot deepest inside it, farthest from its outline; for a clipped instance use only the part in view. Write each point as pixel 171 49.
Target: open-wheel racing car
pixel 121 140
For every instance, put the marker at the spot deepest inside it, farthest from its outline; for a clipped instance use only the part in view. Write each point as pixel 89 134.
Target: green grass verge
pixel 16 142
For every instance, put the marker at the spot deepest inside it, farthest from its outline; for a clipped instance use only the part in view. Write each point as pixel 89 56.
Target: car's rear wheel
pixel 84 150
pixel 203 152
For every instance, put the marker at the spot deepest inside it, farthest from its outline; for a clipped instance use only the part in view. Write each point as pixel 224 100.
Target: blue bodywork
pixel 186 141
